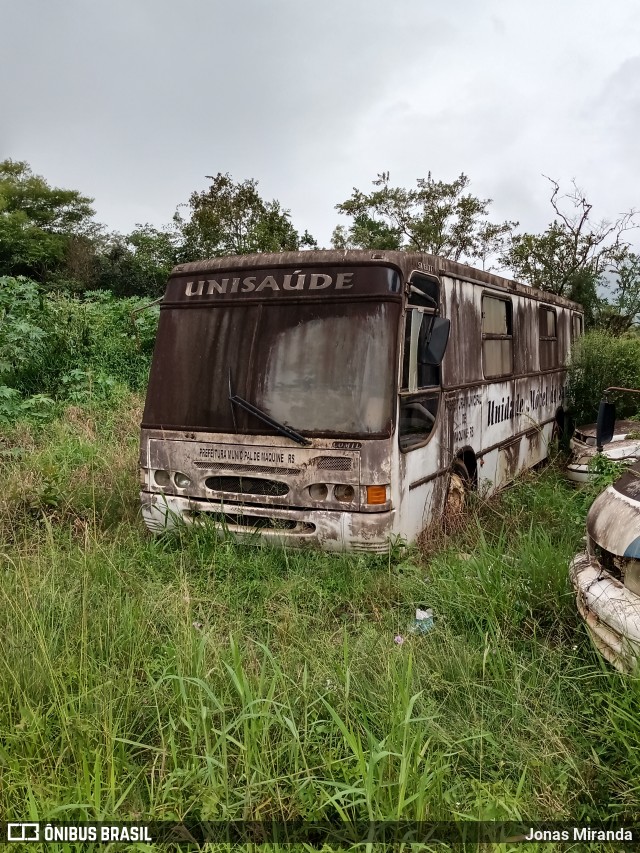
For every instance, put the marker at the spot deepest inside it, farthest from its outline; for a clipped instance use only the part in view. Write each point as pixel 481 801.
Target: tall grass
pixel 189 676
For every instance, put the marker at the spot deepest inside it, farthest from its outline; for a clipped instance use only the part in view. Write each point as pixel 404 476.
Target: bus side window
pixel 417 417
pixel 547 325
pixel 415 374
pixel 424 291
pixel 497 336
pixel 576 326
pixel 418 409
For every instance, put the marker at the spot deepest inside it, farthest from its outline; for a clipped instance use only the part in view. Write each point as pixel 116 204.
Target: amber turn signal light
pixel 376 494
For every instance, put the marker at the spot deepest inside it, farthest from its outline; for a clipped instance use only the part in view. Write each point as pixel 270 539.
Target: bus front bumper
pixel 331 531
pixel 610 610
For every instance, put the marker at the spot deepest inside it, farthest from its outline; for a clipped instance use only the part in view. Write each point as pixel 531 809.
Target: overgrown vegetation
pixel 59 348
pixel 190 677
pixel 600 360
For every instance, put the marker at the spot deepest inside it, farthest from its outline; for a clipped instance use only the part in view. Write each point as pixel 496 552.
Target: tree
pixel 622 310
pixel 571 257
pixel 137 264
pixel 233 219
pixel 436 217
pixel 41 227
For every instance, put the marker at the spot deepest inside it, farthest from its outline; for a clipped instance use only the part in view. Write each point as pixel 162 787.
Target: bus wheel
pixel 562 430
pixel 459 486
pixel 557 430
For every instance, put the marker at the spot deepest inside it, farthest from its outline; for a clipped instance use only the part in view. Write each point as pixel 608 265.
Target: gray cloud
pixel 134 102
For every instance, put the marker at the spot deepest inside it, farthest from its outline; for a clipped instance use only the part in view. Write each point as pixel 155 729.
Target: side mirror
pixel 436 342
pixel 605 424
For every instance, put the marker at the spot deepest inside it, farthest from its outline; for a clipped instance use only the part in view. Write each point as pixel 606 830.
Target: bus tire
pixel 460 484
pixel 557 430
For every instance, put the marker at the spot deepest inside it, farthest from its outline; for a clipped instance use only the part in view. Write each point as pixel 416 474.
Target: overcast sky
pixel 133 102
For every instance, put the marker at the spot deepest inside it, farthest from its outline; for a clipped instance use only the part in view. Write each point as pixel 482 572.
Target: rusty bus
pixel 340 398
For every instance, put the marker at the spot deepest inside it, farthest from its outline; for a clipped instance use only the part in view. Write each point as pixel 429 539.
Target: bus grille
pixel 369 547
pixel 258 522
pixel 254 522
pixel 331 463
pixel 246 486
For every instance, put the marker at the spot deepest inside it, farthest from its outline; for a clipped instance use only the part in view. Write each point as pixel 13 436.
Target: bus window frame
pixel 546 339
pixel 409 395
pixel 491 336
pixel 575 315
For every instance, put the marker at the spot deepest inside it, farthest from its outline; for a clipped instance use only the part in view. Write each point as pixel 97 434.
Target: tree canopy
pixel 436 217
pixel 50 235
pixel 232 218
pixel 137 264
pixel 40 225
pixel 574 255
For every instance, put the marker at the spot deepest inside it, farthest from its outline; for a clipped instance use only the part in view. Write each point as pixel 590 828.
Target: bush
pixel 22 336
pixel 599 361
pixel 99 336
pixel 69 349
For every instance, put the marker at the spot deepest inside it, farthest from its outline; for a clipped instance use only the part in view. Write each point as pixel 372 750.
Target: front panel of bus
pixel 272 403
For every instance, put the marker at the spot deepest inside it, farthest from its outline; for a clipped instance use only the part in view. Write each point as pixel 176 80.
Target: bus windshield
pixel 320 368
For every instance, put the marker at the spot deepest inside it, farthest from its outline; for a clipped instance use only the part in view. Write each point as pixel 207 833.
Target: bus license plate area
pixel 261 474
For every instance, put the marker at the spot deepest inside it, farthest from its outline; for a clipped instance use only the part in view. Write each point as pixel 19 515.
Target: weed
pixel 604 471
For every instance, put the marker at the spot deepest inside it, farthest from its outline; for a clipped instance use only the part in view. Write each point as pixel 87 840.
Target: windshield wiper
pixel 283 429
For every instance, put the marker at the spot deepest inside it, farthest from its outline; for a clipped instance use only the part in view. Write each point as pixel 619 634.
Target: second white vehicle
pixel 624 446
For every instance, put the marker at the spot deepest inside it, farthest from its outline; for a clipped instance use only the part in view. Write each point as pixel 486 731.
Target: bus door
pixel 425 339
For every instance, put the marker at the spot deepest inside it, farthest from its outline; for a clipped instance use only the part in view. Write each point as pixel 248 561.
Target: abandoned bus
pixel 340 398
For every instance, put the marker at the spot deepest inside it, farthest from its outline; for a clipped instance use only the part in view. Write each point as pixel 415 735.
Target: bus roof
pixel 405 262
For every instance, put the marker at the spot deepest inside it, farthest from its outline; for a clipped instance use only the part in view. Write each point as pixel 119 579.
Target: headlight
pixel 182 481
pixel 318 491
pixel 162 479
pixel 344 493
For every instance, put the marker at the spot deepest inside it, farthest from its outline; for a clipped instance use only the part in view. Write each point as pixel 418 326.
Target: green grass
pixel 187 676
